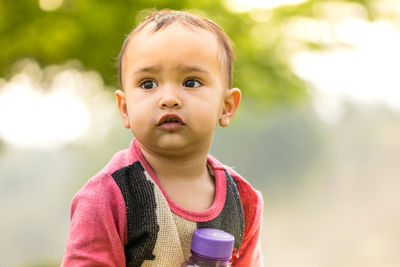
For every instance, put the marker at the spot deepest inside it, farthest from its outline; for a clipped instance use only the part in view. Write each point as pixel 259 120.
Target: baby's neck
pixel 186 180
pixel 186 167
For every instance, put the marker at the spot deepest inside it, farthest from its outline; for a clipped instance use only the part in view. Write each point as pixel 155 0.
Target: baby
pixel 175 70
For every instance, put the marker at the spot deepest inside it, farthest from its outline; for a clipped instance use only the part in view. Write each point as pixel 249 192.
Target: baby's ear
pixel 121 102
pixel 231 103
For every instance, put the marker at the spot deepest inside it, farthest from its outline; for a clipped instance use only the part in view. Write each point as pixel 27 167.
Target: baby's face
pixel 174 88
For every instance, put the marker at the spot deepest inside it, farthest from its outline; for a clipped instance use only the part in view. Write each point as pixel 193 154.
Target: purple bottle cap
pixel 213 243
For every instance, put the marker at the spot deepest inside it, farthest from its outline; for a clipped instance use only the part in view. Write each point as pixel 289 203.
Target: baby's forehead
pixel 177 26
pixel 151 30
pixel 178 32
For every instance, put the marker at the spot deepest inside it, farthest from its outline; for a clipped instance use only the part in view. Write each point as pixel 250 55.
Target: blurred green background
pixel 318 130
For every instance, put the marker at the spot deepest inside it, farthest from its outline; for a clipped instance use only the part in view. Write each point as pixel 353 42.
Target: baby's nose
pixel 170 99
pixel 170 103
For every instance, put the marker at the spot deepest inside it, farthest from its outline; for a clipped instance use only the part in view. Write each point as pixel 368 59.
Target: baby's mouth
pixel 170 122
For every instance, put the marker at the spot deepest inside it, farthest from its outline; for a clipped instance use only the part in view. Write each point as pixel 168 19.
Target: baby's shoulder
pixel 251 199
pixel 246 190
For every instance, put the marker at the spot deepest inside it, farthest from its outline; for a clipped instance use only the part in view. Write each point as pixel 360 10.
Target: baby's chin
pixel 175 145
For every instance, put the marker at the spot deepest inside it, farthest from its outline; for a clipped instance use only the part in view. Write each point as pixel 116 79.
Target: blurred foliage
pixel 92 31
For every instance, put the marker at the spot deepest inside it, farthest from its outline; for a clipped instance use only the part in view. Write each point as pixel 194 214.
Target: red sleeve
pixel 98 226
pixel 250 250
pixel 249 253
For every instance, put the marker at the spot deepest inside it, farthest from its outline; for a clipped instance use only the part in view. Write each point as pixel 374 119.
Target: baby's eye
pixel 192 83
pixel 148 84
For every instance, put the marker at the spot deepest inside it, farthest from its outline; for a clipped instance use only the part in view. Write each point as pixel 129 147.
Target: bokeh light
pixel 50 5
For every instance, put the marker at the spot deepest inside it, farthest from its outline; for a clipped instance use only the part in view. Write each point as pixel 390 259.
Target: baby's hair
pixel 163 18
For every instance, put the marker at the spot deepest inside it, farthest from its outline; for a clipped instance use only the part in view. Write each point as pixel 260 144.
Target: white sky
pixel 39 115
pixel 363 62
pixel 31 117
pixel 365 69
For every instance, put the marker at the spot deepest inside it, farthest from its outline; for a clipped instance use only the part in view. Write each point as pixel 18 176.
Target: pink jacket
pixel 99 225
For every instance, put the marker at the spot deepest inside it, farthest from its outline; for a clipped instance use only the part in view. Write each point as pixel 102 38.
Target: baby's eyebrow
pixel 158 69
pixel 150 69
pixel 188 68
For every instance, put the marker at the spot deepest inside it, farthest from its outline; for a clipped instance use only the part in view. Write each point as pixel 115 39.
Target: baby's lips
pixel 170 117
